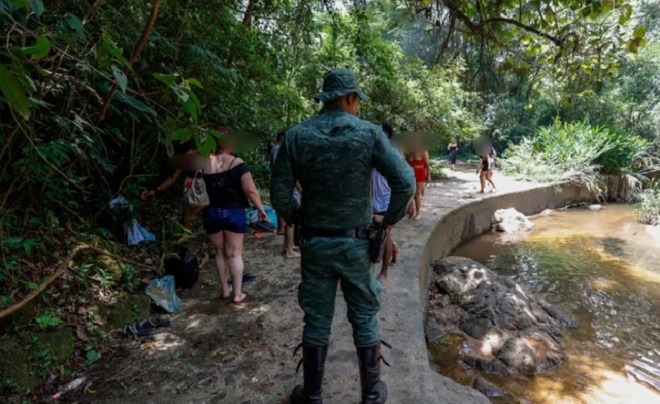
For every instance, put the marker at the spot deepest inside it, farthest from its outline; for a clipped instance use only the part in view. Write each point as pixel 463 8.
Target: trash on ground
pixel 142 328
pixel 72 385
pixel 134 232
pixel 163 293
pixel 184 267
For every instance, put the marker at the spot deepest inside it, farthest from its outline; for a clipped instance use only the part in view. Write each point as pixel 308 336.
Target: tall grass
pixel 648 208
pixel 574 152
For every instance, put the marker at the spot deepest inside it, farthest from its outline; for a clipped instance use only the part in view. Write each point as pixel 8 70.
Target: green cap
pixel 338 82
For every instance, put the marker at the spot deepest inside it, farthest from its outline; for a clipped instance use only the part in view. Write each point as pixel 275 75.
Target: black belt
pixel 361 232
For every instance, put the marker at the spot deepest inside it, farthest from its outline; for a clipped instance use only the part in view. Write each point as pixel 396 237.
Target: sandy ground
pixel 216 352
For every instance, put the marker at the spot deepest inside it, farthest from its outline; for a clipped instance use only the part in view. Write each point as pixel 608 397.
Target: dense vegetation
pixel 94 94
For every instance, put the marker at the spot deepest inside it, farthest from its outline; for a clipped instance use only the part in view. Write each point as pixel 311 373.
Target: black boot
pixel 313 367
pixel 374 391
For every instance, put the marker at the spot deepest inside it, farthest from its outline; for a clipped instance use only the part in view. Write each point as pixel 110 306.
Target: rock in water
pixel 595 208
pixel 488 389
pixel 511 221
pixel 517 332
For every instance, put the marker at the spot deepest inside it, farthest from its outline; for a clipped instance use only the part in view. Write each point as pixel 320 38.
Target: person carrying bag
pixel 195 198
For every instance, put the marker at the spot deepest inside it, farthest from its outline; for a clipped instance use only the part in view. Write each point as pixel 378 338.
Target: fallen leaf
pixel 147 346
pixel 181 385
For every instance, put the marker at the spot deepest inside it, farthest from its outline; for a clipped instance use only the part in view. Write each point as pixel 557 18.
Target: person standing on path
pixel 418 159
pixel 453 152
pixel 333 155
pixel 491 155
pixel 485 172
pixel 289 250
pixel 381 199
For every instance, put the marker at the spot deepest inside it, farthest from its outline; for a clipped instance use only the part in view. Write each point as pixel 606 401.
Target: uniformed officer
pixel 332 156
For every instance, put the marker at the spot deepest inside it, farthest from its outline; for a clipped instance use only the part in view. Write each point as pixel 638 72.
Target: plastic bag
pixel 252 216
pixel 163 293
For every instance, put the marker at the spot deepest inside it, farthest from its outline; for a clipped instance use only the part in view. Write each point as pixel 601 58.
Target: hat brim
pixel 331 95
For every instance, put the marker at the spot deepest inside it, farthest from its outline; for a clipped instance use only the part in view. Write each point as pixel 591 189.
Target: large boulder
pixel 510 221
pixel 518 333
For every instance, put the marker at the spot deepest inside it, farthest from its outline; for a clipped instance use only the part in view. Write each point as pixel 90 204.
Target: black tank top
pixel 225 189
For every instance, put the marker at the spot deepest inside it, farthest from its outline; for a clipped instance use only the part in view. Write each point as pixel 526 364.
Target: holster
pixel 377 236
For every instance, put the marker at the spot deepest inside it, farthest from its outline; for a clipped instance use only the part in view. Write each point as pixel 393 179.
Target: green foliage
pixel 573 152
pixel 92 356
pixel 48 319
pixel 437 169
pixel 648 207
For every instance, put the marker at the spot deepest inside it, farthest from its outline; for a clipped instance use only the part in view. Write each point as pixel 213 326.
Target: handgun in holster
pixel 377 235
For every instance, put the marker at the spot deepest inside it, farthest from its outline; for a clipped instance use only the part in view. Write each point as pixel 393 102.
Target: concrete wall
pixel 474 219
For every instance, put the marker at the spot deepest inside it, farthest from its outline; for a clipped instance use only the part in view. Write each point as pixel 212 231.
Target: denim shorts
pixel 229 219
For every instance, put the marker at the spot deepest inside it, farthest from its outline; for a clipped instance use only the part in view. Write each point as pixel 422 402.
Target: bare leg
pixel 482 178
pixel 217 240
pixel 418 199
pixel 187 221
pixel 490 179
pixel 280 226
pixel 234 254
pixel 290 249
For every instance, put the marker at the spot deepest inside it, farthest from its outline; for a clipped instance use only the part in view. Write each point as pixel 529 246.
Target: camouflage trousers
pixel 327 262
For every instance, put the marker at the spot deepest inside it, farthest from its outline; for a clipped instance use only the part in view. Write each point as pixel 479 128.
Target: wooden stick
pixel 60 270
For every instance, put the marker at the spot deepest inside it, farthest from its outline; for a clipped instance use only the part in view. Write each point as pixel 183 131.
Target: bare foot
pixel 239 299
pixel 382 278
pixel 293 253
pixel 417 218
pixel 395 254
pixel 226 296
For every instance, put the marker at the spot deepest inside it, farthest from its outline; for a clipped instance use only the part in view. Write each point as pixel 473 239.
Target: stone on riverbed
pixel 514 331
pixel 511 221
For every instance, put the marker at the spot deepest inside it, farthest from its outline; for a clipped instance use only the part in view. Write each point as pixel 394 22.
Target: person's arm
pixel 163 186
pixel 250 190
pixel 481 164
pixel 399 176
pixel 282 183
pixel 427 165
pixel 449 146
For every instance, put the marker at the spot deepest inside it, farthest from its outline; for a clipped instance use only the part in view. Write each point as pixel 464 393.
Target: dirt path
pixel 218 352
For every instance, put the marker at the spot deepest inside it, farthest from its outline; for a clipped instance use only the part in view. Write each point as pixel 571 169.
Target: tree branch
pixel 136 52
pixel 60 270
pixel 557 41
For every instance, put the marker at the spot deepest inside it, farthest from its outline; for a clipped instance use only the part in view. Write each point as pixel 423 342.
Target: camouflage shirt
pixel 332 155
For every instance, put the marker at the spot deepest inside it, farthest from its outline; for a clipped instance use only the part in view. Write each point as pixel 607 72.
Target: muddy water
pixel 603 268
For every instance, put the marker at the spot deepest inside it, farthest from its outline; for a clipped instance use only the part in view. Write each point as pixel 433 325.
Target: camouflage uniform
pixel 333 155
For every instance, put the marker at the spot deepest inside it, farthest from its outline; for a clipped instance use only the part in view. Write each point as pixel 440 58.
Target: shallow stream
pixel 603 268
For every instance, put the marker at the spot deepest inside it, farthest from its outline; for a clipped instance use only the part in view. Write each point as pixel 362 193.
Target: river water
pixel 602 267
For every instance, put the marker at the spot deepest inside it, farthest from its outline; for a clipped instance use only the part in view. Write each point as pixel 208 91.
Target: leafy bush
pixel 436 169
pixel 648 208
pixel 574 152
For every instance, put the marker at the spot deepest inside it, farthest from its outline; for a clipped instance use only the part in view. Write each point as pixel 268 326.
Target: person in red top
pixel 418 159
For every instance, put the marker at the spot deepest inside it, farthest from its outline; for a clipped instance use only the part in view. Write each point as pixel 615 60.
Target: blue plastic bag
pixel 163 293
pixel 252 216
